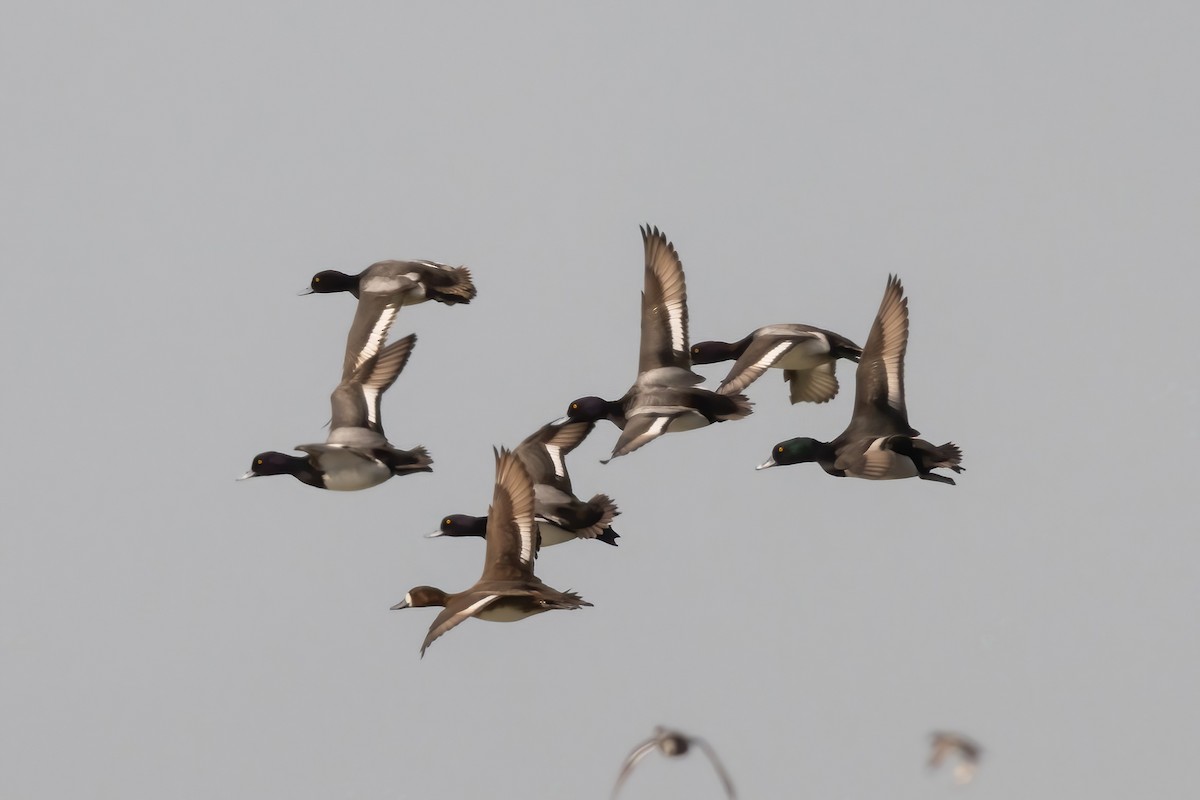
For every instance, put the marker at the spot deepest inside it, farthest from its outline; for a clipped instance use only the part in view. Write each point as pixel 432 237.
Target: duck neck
pixel 302 469
pixel 825 454
pixel 334 281
pixel 734 350
pixel 616 410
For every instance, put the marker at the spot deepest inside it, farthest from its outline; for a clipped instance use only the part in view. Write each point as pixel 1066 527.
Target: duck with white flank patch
pixel 878 444
pixel 356 455
pixel 807 356
pixel 672 743
pixel 560 515
pixel 382 289
pixel 664 398
pixel 507 590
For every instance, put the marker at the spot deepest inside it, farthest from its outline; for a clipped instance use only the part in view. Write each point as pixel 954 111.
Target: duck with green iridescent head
pixel 878 444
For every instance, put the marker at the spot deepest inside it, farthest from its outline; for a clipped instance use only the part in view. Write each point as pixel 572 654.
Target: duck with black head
pixel 664 398
pixel 356 454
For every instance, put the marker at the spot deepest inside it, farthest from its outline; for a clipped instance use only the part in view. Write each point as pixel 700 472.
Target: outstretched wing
pixel 355 402
pixel 718 766
pixel 460 609
pixel 639 431
pixel 387 367
pixel 764 351
pixel 373 319
pixel 631 761
pixel 512 534
pixel 879 395
pixel 544 452
pixel 664 306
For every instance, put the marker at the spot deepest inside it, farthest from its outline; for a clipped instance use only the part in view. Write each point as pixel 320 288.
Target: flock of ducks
pixel 533 503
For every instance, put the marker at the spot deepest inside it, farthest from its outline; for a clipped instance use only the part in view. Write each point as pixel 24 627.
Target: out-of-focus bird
pixel 943 744
pixel 672 743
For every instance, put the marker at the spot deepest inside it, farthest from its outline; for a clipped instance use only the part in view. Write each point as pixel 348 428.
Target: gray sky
pixel 172 176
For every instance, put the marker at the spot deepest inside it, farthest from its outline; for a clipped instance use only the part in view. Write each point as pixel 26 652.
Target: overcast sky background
pixel 170 177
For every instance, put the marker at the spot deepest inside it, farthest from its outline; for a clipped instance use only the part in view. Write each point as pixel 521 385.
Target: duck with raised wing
pixel 507 590
pixel 382 289
pixel 878 444
pixel 807 356
pixel 356 454
pixel 673 743
pixel 560 515
pixel 664 398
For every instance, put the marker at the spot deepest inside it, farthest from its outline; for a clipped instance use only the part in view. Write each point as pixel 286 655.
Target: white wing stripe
pixel 772 355
pixel 675 310
pixel 555 453
pixel 525 530
pixel 375 339
pixel 477 605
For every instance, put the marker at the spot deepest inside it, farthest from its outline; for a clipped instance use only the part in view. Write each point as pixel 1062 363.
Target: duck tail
pixel 414 460
pixel 741 407
pixel 458 289
pixel 568 600
pixel 928 457
pixel 948 455
pixel 844 348
pixel 609 537
pixel 600 529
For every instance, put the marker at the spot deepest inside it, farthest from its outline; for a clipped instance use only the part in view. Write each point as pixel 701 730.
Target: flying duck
pixel 878 444
pixel 664 398
pixel 560 515
pixel 672 743
pixel 356 455
pixel 807 356
pixel 382 289
pixel 943 744
pixel 507 590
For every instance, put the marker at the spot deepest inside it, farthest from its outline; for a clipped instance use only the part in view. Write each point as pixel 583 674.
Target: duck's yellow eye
pixel 447 521
pixel 317 279
pixel 260 461
pixel 574 405
pixel 779 449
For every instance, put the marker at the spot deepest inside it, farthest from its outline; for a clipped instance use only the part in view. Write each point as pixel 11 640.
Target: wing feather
pixel 664 306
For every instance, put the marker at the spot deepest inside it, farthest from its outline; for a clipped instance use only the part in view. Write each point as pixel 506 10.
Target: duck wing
pixel 380 297
pixel 460 608
pixel 512 534
pixel 355 402
pixel 544 452
pixel 717 766
pixel 635 755
pixel 879 394
pixel 766 348
pixel 338 457
pixel 664 307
